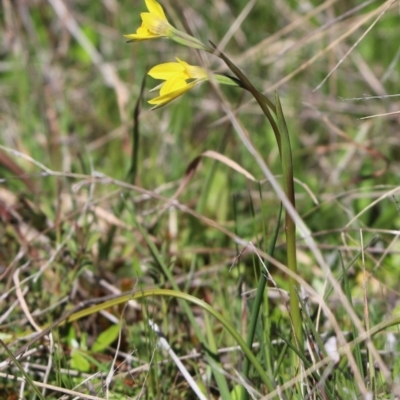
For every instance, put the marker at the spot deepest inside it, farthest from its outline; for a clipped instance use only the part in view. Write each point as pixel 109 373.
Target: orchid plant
pixel 180 77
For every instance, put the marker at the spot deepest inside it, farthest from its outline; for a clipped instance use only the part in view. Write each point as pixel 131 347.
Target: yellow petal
pixel 170 90
pixel 156 9
pixel 164 99
pixel 156 25
pixel 166 71
pixel 142 33
pixel 174 89
pixel 173 84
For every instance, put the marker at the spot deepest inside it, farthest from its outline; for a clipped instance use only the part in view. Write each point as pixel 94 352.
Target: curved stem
pixel 283 142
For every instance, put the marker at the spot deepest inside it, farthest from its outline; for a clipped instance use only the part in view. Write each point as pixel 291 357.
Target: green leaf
pixel 79 362
pixel 106 338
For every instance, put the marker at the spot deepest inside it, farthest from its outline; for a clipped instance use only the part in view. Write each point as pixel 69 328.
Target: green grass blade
pixel 257 304
pixel 214 363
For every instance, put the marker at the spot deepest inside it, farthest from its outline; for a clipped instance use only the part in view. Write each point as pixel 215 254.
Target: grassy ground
pixel 88 172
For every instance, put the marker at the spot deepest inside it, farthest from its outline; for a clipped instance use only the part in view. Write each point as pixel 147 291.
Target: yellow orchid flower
pixel 180 77
pixel 155 25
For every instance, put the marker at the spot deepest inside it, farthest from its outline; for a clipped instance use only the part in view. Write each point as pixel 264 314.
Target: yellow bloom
pixel 154 23
pixel 179 77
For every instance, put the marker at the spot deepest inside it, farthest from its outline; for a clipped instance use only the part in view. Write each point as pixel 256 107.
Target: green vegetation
pixel 163 253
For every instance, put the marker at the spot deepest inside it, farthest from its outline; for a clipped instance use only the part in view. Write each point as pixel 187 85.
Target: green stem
pixel 283 141
pixel 290 228
pixel 262 100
